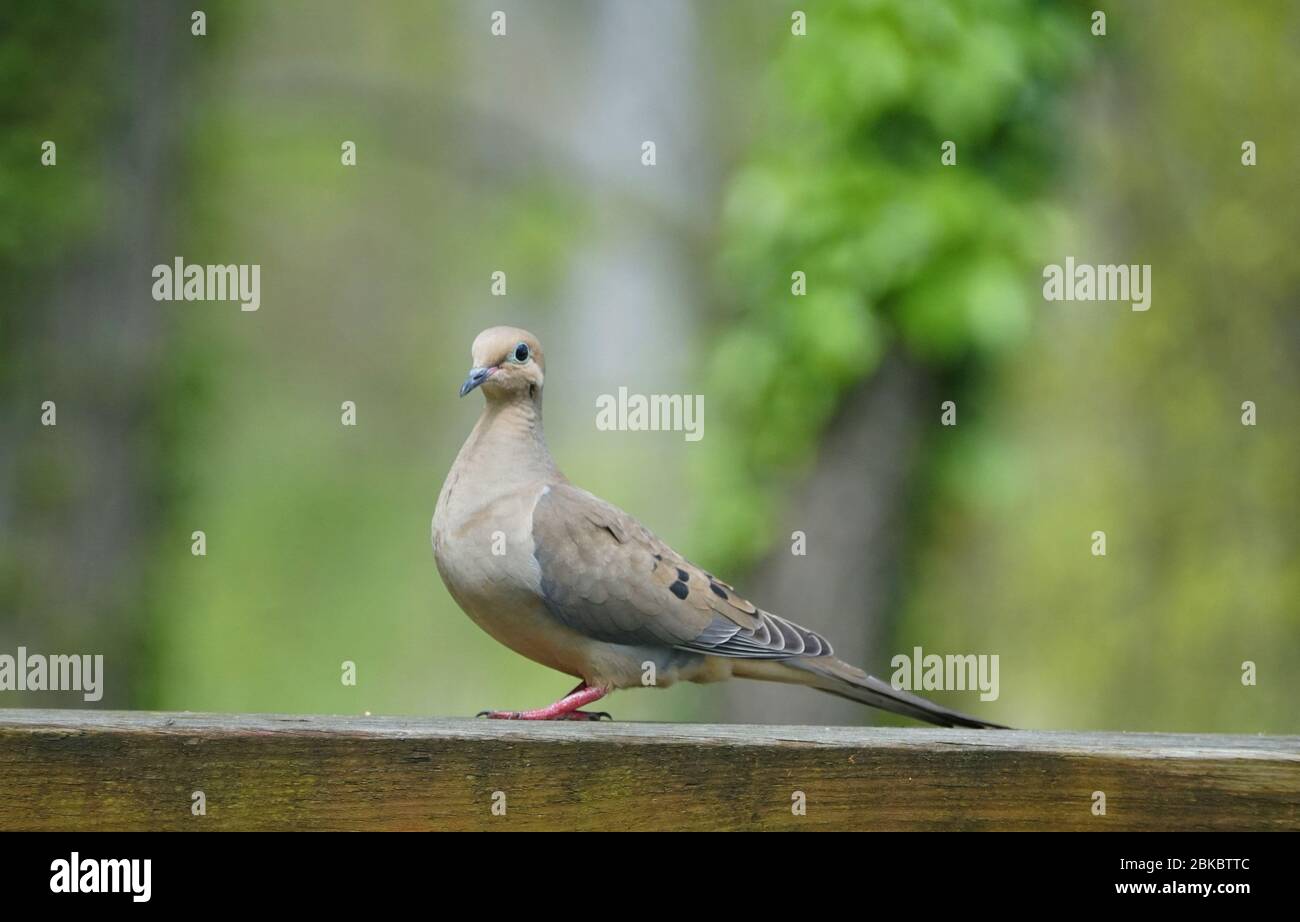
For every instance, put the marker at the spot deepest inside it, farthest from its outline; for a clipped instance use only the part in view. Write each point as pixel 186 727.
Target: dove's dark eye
pixel 521 352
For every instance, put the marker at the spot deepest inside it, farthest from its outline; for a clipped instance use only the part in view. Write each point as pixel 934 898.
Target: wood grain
pixel 111 770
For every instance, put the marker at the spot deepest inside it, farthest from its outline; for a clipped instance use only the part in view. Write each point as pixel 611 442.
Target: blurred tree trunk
pixel 852 508
pixel 80 500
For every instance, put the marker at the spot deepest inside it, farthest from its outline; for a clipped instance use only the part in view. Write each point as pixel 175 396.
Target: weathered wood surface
pixel 102 770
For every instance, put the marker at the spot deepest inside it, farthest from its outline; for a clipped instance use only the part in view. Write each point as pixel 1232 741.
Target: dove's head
pixel 507 363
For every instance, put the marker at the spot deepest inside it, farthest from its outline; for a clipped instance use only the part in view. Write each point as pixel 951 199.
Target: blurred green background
pixel 776 154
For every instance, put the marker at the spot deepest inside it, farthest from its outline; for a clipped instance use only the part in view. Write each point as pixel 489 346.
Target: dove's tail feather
pixel 828 674
pixel 839 678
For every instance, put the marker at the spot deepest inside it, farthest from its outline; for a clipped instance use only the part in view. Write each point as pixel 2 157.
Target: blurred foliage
pixel 1131 423
pixel 846 186
pixel 54 64
pixel 1072 417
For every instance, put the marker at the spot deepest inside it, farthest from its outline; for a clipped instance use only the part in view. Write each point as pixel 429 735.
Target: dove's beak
pixel 476 377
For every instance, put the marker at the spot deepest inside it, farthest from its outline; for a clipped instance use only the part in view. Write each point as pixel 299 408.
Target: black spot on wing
pixel 679 589
pixel 718 590
pixel 683 576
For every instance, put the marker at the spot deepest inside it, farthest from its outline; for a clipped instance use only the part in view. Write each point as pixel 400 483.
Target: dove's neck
pixel 508 444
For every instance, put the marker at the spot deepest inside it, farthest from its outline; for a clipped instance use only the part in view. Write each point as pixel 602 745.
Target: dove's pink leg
pixel 564 709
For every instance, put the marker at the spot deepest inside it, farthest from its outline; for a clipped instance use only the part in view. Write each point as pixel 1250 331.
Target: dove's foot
pixel 587 715
pixel 530 715
pixel 564 709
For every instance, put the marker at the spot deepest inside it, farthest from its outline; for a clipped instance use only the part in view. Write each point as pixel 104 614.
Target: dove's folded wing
pixel 606 576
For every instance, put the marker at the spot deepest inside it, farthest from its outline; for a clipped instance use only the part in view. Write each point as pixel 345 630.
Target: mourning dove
pixel 576 584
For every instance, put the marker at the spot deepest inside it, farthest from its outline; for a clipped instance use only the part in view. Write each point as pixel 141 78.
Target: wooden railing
pixel 105 770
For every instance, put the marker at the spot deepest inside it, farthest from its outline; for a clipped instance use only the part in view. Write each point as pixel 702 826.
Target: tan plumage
pixel 577 584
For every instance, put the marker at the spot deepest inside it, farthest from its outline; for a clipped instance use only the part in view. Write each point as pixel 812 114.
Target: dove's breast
pixel 486 542
pixel 484 552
